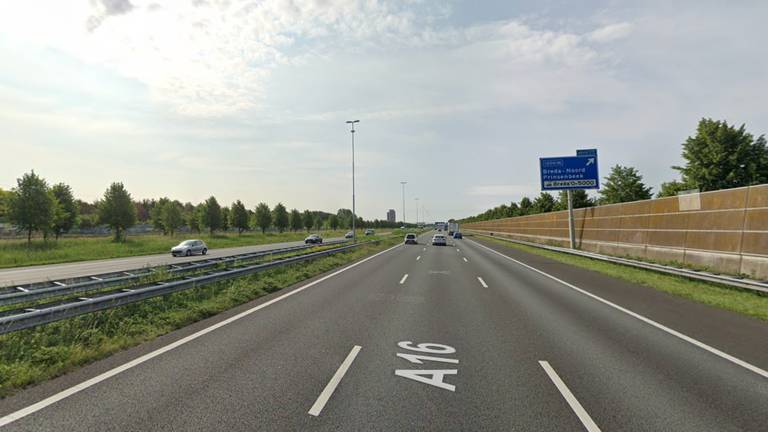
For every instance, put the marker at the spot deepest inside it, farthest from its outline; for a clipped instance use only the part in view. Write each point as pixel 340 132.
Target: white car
pixel 439 240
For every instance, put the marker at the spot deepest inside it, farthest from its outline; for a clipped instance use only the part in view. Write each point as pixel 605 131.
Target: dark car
pixel 450 233
pixel 189 247
pixel 369 232
pixel 410 238
pixel 349 235
pixel 457 235
pixel 313 239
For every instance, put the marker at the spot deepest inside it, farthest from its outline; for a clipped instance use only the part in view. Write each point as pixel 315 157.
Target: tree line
pixel 718 156
pixel 34 206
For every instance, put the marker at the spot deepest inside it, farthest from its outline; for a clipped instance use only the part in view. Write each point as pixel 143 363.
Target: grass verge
pixel 733 299
pixel 15 253
pixel 35 355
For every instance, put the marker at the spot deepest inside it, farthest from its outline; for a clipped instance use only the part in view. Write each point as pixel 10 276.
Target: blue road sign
pixel 587 152
pixel 569 172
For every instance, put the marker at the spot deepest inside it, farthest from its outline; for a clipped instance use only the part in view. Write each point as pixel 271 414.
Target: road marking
pixel 692 341
pixel 424 249
pixel 418 257
pixel 334 382
pixel 22 289
pixel 465 259
pixel 402 281
pixel 482 282
pixel 457 250
pixel 10 418
pixel 586 420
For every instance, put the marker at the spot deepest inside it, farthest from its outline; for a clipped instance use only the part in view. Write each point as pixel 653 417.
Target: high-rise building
pixel 391 217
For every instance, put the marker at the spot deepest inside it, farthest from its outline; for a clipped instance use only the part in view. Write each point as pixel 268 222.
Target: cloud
pixel 610 32
pixel 105 8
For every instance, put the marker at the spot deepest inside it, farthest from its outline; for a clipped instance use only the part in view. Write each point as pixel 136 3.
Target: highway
pixel 40 273
pixel 472 336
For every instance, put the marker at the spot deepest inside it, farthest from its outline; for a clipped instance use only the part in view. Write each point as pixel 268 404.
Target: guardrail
pixel 732 281
pixel 33 317
pixel 16 294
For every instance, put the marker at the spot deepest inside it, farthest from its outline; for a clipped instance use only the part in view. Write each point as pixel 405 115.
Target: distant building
pixel 391 217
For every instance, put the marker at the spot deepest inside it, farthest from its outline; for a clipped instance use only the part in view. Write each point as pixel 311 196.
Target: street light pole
pixel 403 183
pixel 417 211
pixel 354 216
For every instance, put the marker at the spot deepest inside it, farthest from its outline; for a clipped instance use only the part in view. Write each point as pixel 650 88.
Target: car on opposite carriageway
pixel 410 238
pixel 313 239
pixel 189 247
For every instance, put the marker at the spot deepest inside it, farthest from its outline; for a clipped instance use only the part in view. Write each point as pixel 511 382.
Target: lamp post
pixel 403 183
pixel 417 211
pixel 354 216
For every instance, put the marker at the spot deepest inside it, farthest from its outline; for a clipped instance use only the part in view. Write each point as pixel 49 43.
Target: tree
pixel 156 214
pixel 65 213
pixel 263 217
pixel 623 184
pixel 193 218
pixel 210 215
pixel 309 220
pixel 31 205
pixel 5 196
pixel 333 222
pixel 172 217
pixel 239 217
pixel 296 221
pixel 579 197
pixel 672 188
pixel 720 156
pixel 544 203
pixel 225 218
pixel 116 209
pixel 525 206
pixel 280 217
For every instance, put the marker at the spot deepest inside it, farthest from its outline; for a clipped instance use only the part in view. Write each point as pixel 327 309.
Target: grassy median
pixel 733 299
pixel 34 355
pixel 16 253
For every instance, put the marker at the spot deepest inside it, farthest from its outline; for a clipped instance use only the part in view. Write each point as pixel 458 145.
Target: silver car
pixel 189 247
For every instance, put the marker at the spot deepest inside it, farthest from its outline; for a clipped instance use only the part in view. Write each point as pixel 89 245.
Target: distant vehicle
pixel 189 247
pixel 441 226
pixel 453 227
pixel 439 240
pixel 410 238
pixel 369 232
pixel 313 239
pixel 458 235
pixel 450 233
pixel 349 235
pixel 402 227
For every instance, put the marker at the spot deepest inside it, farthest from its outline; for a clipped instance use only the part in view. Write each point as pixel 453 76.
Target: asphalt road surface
pixel 430 338
pixel 40 273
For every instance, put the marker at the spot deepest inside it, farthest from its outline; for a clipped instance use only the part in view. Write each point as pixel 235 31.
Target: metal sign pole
pixel 571 230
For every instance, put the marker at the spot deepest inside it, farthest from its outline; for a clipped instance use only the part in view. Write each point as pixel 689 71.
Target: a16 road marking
pixel 433 377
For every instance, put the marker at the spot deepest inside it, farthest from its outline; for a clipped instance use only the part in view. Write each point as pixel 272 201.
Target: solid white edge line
pixel 112 372
pixel 402 281
pixel 482 282
pixel 692 341
pixel 586 420
pixel 319 404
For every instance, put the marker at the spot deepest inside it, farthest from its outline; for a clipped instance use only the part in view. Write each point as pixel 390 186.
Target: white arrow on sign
pixel 590 161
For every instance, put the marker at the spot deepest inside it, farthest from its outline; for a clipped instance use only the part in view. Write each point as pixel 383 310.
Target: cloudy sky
pixel 247 99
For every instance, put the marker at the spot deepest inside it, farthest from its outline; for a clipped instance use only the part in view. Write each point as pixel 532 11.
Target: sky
pixel 248 99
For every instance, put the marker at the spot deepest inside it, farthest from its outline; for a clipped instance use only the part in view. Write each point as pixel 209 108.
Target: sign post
pixel 569 173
